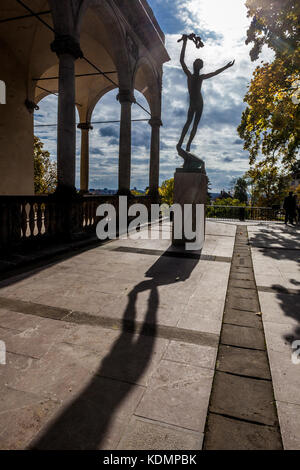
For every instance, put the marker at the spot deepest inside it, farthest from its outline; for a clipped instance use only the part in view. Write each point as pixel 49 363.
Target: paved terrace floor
pixel 115 347
pixel 276 261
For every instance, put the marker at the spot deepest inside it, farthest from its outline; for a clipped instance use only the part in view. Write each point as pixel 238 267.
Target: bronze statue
pixel 196 101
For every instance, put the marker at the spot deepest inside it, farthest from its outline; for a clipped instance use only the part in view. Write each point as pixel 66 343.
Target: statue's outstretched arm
pixel 182 55
pixel 213 74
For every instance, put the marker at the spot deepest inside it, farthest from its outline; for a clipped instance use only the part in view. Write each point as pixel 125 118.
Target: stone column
pixel 84 157
pixel 155 123
pixel 126 99
pixel 67 50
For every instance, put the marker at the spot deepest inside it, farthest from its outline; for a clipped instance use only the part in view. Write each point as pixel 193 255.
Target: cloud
pixel 113 141
pixel 223 26
pixel 96 151
pixel 109 131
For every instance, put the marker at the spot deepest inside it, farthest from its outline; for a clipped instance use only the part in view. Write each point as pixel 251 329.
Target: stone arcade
pixel 80 50
pixel 62 41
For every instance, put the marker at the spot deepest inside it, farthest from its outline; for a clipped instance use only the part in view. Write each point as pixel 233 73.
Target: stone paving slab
pixel 243 337
pixel 178 394
pixel 243 398
pixel 247 362
pixel 193 354
pixel 150 435
pixel 238 435
pixel 22 423
pixel 243 318
pixel 289 424
pixel 239 303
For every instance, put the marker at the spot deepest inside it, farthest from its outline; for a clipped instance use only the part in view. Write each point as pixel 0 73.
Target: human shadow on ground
pixel 86 423
pixel 276 245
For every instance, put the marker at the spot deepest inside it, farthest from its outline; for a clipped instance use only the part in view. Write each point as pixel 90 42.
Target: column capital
pixel 155 122
pixel 31 106
pixel 125 96
pixel 85 126
pixel 66 44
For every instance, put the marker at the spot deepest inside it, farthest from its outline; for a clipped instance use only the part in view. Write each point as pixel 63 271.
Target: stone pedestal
pixel 190 187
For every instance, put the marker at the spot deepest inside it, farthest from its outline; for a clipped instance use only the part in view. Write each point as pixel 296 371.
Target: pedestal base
pixel 190 187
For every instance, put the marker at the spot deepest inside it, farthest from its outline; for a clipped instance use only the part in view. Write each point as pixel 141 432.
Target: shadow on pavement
pixel 276 245
pixel 85 422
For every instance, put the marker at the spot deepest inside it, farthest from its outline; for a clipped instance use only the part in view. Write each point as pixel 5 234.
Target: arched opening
pixel 104 144
pixel 140 144
pixel 45 130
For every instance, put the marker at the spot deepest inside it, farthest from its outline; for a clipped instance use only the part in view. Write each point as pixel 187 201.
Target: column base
pixel 154 196
pixel 124 192
pixel 67 192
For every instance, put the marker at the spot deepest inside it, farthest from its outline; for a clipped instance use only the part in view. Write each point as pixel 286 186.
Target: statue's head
pixel 198 65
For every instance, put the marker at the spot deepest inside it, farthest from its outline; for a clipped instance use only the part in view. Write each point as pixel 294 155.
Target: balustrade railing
pixel 244 213
pixel 32 218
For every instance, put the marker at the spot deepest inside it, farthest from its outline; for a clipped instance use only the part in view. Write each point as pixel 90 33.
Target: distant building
pixel 224 195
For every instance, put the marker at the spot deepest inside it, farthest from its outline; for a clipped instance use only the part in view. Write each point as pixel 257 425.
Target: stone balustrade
pixel 25 219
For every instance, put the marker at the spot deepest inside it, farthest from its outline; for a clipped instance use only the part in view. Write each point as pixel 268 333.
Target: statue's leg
pixel 194 130
pixel 186 126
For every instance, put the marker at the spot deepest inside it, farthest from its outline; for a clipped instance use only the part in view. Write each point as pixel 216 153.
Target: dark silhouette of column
pixel 84 156
pixel 126 98
pixel 67 50
pixel 155 123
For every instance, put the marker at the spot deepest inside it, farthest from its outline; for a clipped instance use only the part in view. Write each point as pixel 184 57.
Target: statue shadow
pixel 86 423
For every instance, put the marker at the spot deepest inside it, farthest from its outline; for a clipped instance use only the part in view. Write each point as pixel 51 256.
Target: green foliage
pixel 269 184
pixel 275 24
pixel 134 192
pixel 229 201
pixel 270 125
pixel 166 192
pixel 208 198
pixel 240 190
pixel 45 175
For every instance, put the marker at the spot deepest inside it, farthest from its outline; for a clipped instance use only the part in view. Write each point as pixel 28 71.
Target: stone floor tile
pixel 246 362
pixel 178 394
pixel 193 354
pixel 143 434
pixel 230 434
pixel 243 398
pixel 288 414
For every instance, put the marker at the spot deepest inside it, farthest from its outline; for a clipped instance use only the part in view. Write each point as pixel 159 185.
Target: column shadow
pixel 85 423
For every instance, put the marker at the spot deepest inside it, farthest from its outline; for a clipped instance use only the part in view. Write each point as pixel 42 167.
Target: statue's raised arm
pixel 182 55
pixel 213 74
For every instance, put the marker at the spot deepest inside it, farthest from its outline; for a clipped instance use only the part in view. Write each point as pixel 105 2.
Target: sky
pixel 222 25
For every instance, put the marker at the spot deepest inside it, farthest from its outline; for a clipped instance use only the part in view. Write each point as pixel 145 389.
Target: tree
pixel 270 125
pixel 209 196
pixel 166 191
pixel 295 170
pixel 229 201
pixel 240 190
pixel 45 174
pixel 269 184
